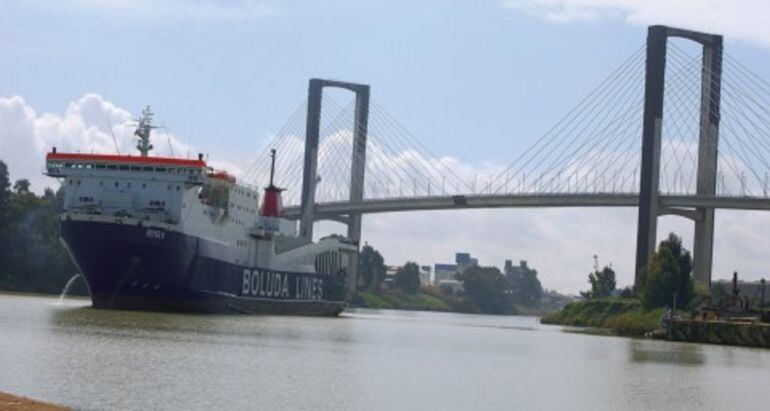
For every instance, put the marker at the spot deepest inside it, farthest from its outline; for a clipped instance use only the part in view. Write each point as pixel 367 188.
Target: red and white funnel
pixel 271 203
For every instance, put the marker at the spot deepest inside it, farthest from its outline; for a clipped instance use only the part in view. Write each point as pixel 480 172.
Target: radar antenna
pixel 142 132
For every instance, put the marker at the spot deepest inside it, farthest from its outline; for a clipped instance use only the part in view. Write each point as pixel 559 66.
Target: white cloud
pixel 741 19
pixel 90 124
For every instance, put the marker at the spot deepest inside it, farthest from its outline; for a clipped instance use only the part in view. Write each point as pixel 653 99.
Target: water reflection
pixel 665 352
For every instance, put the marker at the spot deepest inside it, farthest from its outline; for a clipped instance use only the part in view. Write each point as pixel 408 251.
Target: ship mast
pixel 143 128
pixel 272 166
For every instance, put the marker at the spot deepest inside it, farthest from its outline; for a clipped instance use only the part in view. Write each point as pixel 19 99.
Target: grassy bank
pixel 622 316
pixel 397 300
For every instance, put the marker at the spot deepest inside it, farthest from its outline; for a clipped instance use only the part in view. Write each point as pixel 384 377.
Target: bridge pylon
pixel 649 210
pixel 358 163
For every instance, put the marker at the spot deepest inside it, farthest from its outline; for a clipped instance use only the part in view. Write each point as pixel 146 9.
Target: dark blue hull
pixel 129 266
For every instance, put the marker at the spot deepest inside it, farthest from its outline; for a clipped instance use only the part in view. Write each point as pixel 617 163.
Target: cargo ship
pixel 172 234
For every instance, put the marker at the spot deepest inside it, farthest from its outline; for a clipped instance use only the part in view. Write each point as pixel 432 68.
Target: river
pixel 70 354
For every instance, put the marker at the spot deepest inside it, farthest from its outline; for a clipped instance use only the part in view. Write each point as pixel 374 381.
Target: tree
pixel 371 266
pixel 523 284
pixel 21 186
pixel 408 278
pixel 32 258
pixel 485 287
pixel 627 292
pixel 602 283
pixel 719 292
pixel 668 274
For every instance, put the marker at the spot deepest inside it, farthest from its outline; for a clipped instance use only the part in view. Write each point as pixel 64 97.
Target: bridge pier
pixel 657 38
pixel 358 163
pixel 711 81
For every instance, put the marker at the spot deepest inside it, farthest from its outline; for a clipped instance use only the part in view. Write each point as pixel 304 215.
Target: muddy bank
pixel 16 403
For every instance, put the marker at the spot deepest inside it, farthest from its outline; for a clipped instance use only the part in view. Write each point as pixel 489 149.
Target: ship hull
pixel 133 267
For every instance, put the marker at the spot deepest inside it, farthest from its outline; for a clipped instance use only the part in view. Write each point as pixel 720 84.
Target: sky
pixel 478 81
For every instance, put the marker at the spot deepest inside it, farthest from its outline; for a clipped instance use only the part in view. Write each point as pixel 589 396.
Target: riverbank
pixel 431 300
pixel 622 316
pixel 16 403
pixel 748 334
pixel 398 300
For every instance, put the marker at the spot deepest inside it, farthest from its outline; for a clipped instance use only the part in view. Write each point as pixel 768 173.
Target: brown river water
pixel 67 353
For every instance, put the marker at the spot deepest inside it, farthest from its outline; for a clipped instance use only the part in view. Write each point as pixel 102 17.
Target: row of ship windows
pixel 128 185
pixel 242 243
pixel 173 170
pixel 87 199
pixel 246 193
pixel 242 208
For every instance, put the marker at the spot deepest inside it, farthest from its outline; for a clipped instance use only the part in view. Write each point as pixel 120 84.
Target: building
pixel 390 276
pixel 517 271
pixel 425 274
pixel 445 275
pixel 465 261
pixel 443 272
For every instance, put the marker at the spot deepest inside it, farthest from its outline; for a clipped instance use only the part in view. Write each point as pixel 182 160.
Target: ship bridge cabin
pixel 147 188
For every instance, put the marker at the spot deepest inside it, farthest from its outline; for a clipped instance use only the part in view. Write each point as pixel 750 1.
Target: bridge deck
pixel 459 202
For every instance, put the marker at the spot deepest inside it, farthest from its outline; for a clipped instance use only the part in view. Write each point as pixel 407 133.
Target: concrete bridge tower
pixel 649 210
pixel 310 170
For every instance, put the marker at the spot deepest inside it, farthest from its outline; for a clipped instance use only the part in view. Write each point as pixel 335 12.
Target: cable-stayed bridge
pixel 680 127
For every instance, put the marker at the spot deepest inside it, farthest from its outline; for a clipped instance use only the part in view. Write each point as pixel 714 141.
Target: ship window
pixel 67 165
pixel 144 185
pixel 89 166
pixel 147 168
pixel 123 168
pixel 136 168
pixel 177 188
pixel 78 182
pixel 112 167
pixel 116 184
pixel 160 169
pixel 70 182
pixel 99 166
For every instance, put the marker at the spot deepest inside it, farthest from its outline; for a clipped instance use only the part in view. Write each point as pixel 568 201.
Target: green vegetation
pixel 668 276
pixel 486 288
pixel 622 316
pixel 602 283
pixel 407 278
pixel 422 300
pixel 32 259
pixel 523 285
pixel 371 268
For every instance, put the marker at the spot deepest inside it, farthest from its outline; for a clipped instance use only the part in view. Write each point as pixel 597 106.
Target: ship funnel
pixel 271 202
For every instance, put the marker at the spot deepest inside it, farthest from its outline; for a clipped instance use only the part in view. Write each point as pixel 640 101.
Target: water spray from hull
pixel 69 285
